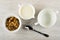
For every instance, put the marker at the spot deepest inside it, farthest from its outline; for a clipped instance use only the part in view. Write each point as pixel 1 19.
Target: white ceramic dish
pixel 47 17
pixel 4 21
pixel 21 7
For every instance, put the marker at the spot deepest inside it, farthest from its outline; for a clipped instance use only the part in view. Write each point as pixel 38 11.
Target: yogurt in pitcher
pixel 26 11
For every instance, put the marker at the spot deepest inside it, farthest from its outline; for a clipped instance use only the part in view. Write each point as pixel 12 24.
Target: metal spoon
pixel 30 28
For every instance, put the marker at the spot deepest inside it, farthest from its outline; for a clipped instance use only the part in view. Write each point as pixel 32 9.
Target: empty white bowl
pixel 47 17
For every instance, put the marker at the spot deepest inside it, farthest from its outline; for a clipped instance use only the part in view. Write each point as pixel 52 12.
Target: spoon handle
pixel 46 35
